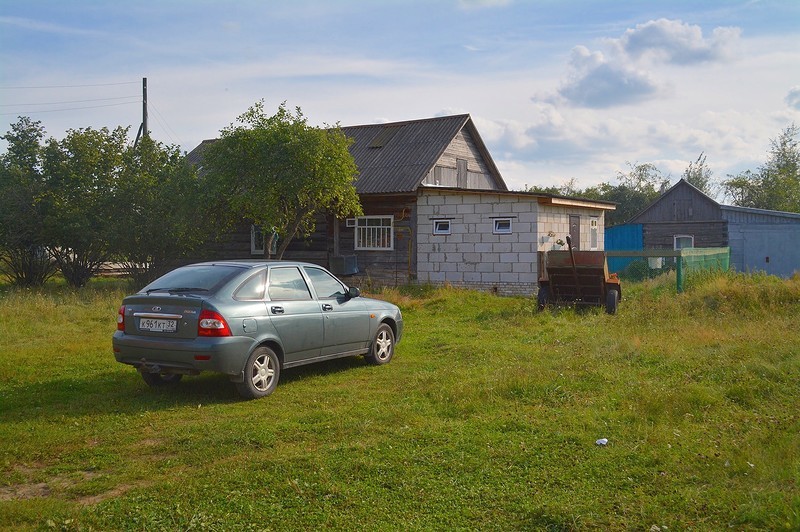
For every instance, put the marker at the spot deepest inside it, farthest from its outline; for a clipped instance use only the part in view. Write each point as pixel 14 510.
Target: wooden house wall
pixel 445 172
pixel 232 245
pixel 708 234
pixel 391 267
pixel 681 204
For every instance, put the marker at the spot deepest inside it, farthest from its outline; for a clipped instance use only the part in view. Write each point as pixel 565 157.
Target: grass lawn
pixel 487 418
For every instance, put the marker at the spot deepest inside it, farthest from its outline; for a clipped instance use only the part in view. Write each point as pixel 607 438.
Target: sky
pixel 558 90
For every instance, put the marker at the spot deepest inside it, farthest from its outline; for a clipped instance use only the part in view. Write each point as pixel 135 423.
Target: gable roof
pixel 395 157
pixel 681 184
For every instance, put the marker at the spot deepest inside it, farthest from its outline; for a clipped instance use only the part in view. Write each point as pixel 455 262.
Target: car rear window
pixel 201 278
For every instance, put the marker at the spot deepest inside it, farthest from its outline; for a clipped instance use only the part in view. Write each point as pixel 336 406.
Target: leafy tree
pixel 699 175
pixel 776 185
pixel 277 171
pixel 637 188
pixel 83 171
pixel 158 212
pixel 570 188
pixel 23 255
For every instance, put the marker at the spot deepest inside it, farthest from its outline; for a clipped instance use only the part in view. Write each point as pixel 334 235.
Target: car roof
pixel 253 263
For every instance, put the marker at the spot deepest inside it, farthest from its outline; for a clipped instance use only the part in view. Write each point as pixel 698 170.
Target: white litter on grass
pixel 602 441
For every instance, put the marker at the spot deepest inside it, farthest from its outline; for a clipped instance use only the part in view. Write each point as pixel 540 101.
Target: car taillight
pixel 121 319
pixel 212 324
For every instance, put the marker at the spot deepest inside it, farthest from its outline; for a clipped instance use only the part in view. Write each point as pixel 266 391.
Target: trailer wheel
pixel 543 297
pixel 612 300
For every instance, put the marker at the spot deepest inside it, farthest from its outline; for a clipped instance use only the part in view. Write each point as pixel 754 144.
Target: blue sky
pixel 558 90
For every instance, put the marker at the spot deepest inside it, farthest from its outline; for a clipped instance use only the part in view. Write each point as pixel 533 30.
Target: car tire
pixel 261 374
pixel 381 350
pixel 160 380
pixel 612 301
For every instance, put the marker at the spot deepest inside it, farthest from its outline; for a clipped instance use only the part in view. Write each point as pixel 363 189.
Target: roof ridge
pixel 463 116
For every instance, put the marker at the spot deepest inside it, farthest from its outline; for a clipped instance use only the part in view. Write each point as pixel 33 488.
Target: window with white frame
pixel 256 240
pixel 441 227
pixel 374 233
pixel 502 226
pixel 594 223
pixel 683 241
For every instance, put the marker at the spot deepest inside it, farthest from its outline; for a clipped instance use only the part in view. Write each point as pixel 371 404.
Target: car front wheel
pixel 261 374
pixel 382 349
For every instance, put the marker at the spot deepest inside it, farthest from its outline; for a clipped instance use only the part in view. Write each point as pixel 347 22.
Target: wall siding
pixel 445 171
pixel 706 234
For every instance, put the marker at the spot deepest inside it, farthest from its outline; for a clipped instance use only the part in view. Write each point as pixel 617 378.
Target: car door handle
pixel 276 310
pixel 326 306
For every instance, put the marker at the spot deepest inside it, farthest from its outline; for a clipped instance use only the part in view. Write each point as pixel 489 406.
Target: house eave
pixel 542 199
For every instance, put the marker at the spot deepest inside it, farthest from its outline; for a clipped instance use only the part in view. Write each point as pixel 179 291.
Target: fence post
pixel 679 273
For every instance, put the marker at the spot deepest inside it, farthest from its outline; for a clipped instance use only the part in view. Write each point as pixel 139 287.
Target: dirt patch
pixel 32 488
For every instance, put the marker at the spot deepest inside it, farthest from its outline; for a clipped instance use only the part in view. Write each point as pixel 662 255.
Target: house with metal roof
pixel 436 210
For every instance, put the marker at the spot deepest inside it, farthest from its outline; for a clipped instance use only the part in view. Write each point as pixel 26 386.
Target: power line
pixel 163 121
pixel 68 109
pixel 72 101
pixel 70 86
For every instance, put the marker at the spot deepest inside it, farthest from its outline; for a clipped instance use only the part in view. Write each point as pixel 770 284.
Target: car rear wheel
pixel 382 349
pixel 261 374
pixel 159 380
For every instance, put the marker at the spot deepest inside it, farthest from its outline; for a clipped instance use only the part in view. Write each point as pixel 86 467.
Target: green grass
pixel 486 419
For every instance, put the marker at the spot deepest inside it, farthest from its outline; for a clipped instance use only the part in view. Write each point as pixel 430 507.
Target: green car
pixel 249 320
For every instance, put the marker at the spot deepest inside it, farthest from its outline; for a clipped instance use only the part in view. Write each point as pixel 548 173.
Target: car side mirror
pixel 353 292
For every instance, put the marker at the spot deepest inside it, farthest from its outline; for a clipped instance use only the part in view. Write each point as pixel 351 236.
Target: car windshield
pixel 200 278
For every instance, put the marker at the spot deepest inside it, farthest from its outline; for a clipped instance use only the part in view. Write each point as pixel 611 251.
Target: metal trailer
pixel 578 277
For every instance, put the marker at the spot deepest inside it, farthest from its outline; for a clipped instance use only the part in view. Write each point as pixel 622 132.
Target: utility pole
pixel 143 131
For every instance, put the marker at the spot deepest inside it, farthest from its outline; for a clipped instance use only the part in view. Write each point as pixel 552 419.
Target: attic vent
pixel 384 136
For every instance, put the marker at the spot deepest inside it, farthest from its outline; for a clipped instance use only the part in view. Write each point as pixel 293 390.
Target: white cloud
pixel 626 73
pixel 598 83
pixel 676 42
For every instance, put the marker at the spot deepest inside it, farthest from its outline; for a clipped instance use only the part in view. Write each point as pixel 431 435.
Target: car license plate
pixel 154 325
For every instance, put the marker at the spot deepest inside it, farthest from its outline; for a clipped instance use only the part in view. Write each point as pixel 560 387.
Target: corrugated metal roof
pixel 395 157
pixel 404 152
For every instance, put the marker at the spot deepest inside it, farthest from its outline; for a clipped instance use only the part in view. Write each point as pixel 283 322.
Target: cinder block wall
pixel 472 255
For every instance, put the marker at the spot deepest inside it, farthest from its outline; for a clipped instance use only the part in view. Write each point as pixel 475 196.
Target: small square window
pixel 441 227
pixel 350 222
pixel 502 226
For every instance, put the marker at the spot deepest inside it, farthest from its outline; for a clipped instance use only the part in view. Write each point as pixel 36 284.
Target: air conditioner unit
pixel 344 265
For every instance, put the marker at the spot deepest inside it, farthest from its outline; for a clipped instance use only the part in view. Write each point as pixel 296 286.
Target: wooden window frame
pixel 374 237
